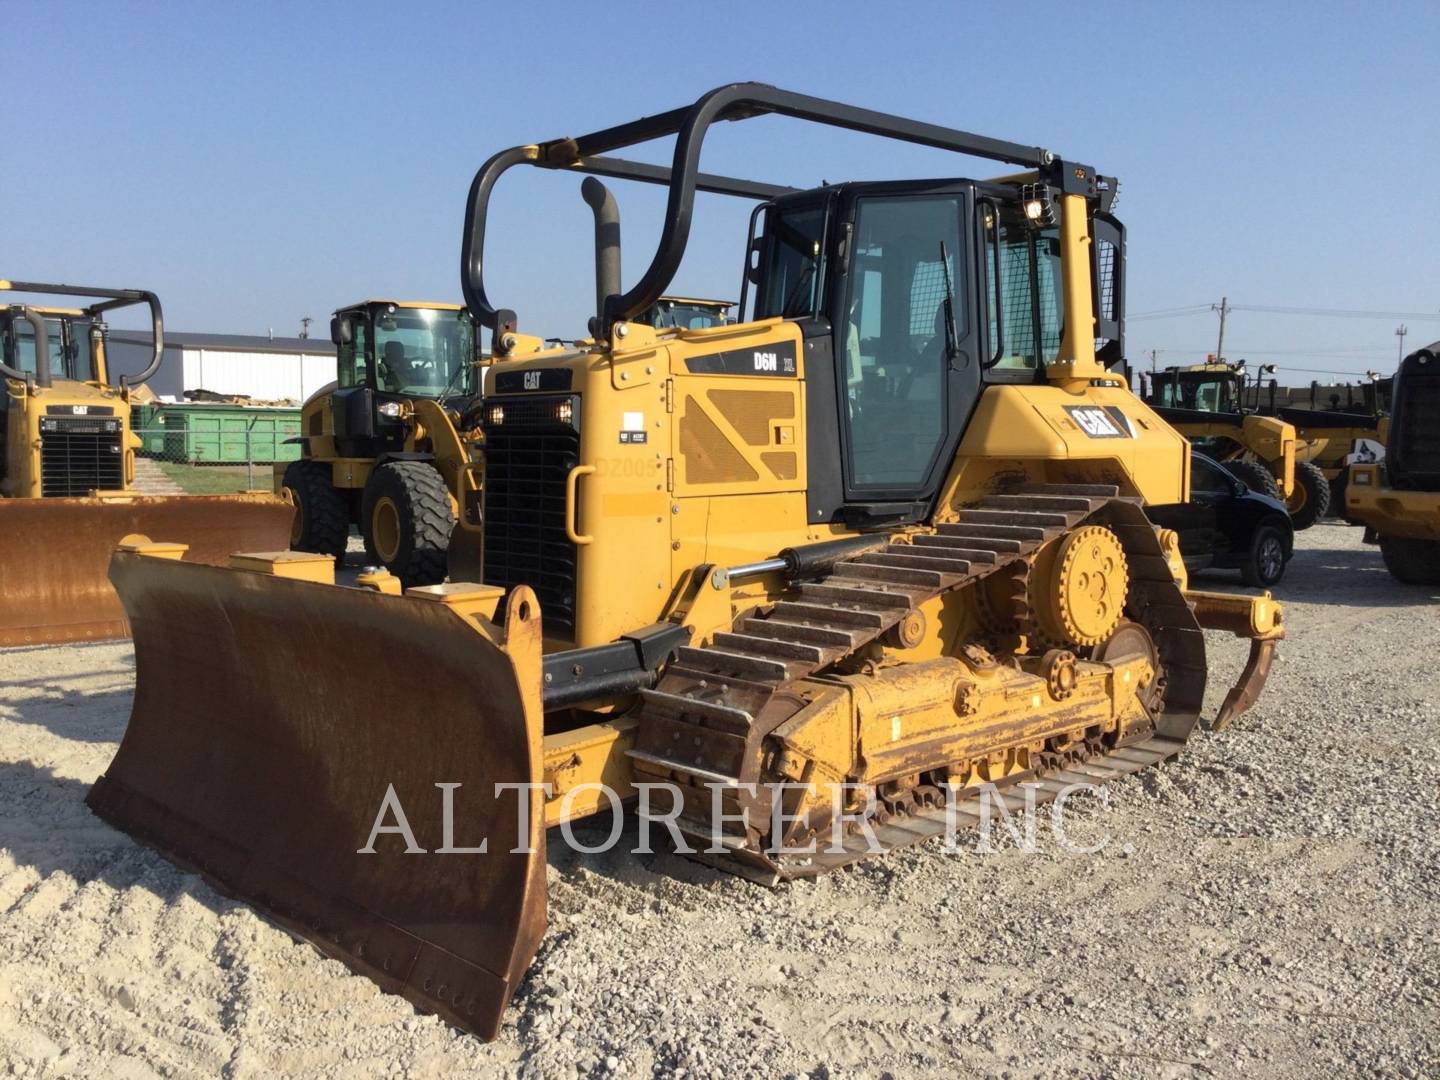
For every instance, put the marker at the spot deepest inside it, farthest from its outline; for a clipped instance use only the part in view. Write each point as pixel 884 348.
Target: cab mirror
pixel 342 330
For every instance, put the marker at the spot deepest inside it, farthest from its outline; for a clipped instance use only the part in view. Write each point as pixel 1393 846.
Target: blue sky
pixel 255 164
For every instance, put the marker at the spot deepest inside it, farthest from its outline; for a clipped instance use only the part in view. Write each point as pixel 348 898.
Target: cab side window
pixel 351 357
pixel 1022 268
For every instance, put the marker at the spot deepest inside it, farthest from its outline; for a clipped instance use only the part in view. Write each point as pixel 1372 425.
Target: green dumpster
pixel 211 434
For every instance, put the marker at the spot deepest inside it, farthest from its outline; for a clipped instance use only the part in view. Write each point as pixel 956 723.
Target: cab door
pixel 906 359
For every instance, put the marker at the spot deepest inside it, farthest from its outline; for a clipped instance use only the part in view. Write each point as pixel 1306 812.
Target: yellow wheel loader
pixel 390 446
pixel 67 469
pixel 801 588
pixel 1205 403
pixel 1398 500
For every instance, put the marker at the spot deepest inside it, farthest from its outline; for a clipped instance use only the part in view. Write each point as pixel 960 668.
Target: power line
pixel 1267 309
pixel 1338 313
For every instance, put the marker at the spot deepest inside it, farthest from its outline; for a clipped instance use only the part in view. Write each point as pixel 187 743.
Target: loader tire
pixel 1415 562
pixel 406 518
pixel 1256 477
pixel 322 517
pixel 1311 499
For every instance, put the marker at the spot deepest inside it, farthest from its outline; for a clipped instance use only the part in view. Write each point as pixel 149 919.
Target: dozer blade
pixel 53 584
pixel 272 719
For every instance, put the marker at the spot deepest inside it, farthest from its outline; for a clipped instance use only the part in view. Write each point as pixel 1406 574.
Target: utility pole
pixel 1400 332
pixel 305 326
pixel 1224 310
pixel 1153 354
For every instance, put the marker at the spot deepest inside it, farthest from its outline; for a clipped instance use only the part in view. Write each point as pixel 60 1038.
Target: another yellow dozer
pixel 393 444
pixel 806 585
pixel 1398 500
pixel 67 467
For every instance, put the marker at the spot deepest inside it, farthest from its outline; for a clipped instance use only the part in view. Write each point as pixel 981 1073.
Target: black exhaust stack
pixel 607 249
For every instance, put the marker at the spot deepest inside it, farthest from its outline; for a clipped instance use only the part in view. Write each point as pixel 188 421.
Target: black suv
pixel 1229 526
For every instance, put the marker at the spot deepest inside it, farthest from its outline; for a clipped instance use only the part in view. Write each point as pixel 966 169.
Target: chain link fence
pixel 186 450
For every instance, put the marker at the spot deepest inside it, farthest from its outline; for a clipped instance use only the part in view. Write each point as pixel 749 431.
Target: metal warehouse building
pixel 264 368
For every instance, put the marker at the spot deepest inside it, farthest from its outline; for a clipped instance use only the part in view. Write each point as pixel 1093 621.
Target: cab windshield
pixel 71 356
pixel 1199 391
pixel 424 352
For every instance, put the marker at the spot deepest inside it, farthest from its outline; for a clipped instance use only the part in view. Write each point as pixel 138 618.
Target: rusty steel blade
pixel 272 716
pixel 53 584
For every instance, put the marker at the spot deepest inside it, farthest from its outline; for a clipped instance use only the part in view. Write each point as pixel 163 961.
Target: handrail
pixel 110 300
pixel 737 101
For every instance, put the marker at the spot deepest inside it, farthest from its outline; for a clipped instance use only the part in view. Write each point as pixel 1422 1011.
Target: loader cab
pixel 912 297
pixel 1212 388
pixel 390 352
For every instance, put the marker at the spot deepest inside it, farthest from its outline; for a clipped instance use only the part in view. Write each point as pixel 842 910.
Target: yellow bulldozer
pixel 68 467
pixel 804 586
pixel 1398 500
pixel 1207 404
pixel 391 446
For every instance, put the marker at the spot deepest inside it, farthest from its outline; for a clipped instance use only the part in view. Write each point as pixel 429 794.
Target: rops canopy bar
pixel 738 101
pixel 110 299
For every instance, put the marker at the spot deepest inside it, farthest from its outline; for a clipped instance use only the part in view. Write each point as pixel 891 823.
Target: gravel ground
pixel 1267 905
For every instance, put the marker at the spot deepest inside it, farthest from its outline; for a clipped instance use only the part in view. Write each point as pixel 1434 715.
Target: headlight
pixel 495 415
pixel 392 409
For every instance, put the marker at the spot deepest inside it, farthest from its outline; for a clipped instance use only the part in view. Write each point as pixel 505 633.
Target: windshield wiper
pixel 952 332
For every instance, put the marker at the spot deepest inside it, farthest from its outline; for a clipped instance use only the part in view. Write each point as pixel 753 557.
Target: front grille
pixel 79 455
pixel 529 451
pixel 1416 430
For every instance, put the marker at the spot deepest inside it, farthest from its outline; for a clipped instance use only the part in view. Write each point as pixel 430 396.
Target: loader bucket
pixel 53 584
pixel 272 720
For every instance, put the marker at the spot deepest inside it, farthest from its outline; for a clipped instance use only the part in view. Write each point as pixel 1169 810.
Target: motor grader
pixel 67 469
pixel 1398 500
pixel 824 574
pixel 1206 403
pixel 390 446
